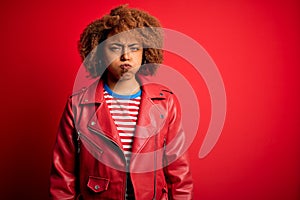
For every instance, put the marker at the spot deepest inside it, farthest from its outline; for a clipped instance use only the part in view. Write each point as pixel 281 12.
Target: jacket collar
pixel 94 94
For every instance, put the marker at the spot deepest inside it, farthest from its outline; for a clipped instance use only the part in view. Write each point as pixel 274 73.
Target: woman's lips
pixel 125 66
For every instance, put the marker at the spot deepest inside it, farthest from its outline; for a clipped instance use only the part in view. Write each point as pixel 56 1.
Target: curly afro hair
pixel 119 20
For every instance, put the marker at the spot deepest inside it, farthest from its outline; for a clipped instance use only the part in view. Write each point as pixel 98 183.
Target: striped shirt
pixel 124 110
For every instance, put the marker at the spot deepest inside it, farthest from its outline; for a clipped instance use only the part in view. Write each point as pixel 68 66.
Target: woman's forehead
pixel 127 37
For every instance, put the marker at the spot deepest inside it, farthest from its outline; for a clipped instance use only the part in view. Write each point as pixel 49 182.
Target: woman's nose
pixel 126 55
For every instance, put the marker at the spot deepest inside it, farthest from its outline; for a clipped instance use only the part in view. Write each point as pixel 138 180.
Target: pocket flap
pixel 97 184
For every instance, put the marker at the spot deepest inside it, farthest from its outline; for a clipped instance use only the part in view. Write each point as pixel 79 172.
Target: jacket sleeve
pixel 177 167
pixel 63 169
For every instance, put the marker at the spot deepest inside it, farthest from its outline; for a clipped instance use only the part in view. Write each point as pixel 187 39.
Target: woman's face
pixel 123 55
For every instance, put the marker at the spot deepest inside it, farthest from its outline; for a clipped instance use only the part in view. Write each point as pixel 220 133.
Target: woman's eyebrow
pixel 134 44
pixel 116 44
pixel 121 44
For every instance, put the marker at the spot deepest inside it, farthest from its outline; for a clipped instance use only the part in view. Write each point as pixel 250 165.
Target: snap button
pixel 161 116
pixel 93 123
pixel 161 94
pixel 97 187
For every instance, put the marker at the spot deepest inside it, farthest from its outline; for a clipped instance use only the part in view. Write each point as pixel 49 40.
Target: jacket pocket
pixel 97 184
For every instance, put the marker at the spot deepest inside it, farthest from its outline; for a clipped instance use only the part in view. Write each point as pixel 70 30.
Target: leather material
pixel 88 161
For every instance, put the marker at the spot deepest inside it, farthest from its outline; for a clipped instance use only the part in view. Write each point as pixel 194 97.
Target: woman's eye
pixel 119 49
pixel 134 48
pixel 115 49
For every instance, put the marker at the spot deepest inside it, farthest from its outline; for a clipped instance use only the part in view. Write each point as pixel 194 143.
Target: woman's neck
pixel 126 87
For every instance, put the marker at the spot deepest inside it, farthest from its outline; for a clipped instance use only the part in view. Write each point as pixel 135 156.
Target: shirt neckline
pixel 120 96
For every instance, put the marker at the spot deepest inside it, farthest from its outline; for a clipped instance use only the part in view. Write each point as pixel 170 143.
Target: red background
pixel 255 45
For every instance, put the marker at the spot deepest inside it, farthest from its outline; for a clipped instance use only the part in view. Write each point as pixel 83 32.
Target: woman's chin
pixel 126 76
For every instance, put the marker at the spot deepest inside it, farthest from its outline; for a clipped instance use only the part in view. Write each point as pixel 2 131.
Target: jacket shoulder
pixel 91 87
pixel 78 92
pixel 156 90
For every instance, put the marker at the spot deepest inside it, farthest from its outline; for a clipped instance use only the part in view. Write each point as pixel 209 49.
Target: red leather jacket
pixel 88 161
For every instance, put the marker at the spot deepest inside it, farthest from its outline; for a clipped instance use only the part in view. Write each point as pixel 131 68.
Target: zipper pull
pixel 78 136
pixel 78 142
pixel 165 161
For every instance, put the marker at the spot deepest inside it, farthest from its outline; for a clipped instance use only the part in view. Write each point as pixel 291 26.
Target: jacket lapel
pixel 150 120
pixel 101 121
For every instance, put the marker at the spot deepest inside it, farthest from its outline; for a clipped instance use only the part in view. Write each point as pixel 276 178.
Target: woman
pixel 120 138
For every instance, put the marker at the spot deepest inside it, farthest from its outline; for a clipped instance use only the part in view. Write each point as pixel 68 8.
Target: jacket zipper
pixel 89 141
pixel 165 163
pixel 101 135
